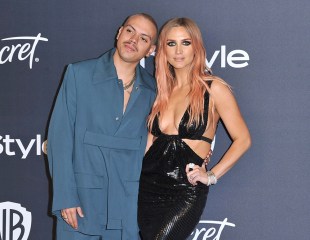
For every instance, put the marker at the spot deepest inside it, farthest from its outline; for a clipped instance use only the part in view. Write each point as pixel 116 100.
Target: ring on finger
pixel 191 166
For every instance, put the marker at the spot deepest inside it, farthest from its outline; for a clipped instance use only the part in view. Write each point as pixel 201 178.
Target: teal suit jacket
pixel 95 151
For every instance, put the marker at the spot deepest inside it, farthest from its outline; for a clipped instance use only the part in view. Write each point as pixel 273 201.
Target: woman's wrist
pixel 211 178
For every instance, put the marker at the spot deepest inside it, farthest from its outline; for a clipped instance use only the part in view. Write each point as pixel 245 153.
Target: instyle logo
pixel 15 221
pixel 236 58
pixel 23 48
pixel 19 147
pixel 210 229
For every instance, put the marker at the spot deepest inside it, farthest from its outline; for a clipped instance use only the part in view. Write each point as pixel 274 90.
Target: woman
pixel 174 181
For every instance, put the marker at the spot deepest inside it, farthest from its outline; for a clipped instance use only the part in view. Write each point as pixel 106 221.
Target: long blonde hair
pixel 199 72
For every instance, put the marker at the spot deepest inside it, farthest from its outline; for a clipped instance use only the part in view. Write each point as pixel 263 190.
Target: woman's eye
pixel 187 43
pixel 171 44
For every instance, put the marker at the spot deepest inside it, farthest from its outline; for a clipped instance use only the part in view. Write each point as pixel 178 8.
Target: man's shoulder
pixel 147 78
pixel 85 64
pixel 92 62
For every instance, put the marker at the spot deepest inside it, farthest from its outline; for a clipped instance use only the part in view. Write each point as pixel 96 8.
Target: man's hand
pixel 69 215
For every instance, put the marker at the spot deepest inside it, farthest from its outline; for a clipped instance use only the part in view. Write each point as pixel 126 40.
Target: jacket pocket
pixel 131 188
pixel 86 180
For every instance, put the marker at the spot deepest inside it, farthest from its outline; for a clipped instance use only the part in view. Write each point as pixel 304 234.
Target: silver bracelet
pixel 211 178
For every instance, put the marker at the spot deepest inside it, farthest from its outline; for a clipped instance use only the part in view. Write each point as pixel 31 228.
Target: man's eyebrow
pixel 144 34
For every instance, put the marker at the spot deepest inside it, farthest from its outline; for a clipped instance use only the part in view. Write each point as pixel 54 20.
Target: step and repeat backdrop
pixel 260 48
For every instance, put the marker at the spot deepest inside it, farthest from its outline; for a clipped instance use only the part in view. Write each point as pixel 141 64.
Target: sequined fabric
pixel 169 207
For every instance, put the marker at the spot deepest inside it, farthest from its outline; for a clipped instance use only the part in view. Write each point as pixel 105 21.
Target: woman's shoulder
pixel 216 84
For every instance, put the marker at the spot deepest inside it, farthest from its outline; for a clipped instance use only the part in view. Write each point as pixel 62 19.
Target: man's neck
pixel 124 69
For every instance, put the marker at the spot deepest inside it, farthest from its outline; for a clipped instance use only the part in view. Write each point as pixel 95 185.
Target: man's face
pixel 135 39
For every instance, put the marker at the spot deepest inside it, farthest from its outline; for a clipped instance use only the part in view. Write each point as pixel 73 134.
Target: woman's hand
pixel 197 174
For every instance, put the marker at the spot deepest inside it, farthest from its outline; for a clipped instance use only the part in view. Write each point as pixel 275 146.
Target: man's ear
pixel 119 32
pixel 152 49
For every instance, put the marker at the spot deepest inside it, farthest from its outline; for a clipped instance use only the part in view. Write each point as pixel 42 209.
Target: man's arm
pixel 60 146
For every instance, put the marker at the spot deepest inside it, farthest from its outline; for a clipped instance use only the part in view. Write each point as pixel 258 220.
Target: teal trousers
pixel 63 234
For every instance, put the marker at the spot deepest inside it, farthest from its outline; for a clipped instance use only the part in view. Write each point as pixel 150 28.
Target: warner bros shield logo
pixel 15 221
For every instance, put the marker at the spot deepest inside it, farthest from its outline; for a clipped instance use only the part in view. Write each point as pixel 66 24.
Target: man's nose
pixel 134 38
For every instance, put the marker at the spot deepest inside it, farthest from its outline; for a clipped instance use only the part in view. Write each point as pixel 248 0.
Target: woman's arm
pixel 227 109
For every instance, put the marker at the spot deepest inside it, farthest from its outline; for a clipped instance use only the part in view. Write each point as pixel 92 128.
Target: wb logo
pixel 15 221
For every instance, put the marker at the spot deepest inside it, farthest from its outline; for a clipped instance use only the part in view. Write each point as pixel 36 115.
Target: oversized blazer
pixel 95 150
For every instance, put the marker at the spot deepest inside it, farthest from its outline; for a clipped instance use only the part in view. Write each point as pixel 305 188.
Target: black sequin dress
pixel 169 207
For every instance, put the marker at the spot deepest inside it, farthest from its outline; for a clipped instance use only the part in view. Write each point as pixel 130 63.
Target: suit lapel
pixel 105 69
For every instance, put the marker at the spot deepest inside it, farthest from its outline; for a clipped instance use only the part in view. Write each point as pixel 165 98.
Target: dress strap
pixel 209 82
pixel 155 129
pixel 209 140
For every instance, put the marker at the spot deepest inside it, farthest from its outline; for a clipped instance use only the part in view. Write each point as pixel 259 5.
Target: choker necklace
pixel 128 85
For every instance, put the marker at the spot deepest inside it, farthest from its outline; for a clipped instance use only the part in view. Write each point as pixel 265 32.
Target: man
pixel 97 137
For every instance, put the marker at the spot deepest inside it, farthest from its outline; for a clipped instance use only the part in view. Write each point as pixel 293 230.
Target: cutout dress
pixel 169 207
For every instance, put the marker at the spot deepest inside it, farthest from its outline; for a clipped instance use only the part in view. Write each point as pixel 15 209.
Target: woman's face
pixel 180 53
